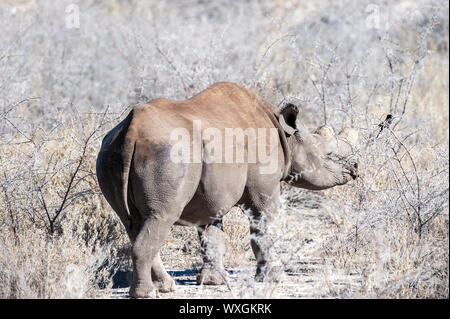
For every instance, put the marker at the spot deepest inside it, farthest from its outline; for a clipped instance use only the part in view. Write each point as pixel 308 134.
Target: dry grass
pixel 383 236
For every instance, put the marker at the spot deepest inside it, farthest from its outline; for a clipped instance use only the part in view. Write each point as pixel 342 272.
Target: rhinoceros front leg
pixel 261 209
pixel 267 268
pixel 212 240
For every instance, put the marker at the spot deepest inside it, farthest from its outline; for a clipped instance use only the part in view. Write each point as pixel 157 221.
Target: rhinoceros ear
pixel 288 118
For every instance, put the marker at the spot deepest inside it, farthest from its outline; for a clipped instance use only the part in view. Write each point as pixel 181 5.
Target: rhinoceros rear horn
pixel 347 141
pixel 350 135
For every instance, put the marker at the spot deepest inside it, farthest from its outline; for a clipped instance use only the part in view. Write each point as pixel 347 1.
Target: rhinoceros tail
pixel 128 147
pixel 113 167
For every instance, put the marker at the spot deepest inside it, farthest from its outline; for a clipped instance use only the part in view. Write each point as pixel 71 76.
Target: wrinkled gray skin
pixel 150 192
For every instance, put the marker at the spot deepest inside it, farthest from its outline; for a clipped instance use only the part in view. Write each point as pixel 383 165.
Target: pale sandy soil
pixel 302 285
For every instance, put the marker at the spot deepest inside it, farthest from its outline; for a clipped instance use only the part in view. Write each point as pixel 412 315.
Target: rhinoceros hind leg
pixel 161 279
pixel 160 189
pixel 144 253
pixel 212 239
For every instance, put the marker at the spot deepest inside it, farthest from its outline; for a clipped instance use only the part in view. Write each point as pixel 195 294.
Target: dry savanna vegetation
pixel 70 71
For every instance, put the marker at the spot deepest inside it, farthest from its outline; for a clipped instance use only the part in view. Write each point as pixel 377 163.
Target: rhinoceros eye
pixel 334 157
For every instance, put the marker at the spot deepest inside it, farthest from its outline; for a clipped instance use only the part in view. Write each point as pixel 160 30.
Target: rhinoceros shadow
pixel 122 278
pixel 180 276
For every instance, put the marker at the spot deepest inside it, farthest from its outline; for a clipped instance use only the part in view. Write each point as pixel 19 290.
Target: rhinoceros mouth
pixel 354 173
pixel 350 166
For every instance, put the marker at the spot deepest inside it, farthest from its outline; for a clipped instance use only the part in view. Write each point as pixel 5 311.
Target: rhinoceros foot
pixel 269 274
pixel 167 284
pixel 140 291
pixel 212 276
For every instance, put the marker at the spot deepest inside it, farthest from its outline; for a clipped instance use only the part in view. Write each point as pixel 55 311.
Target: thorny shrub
pixel 346 63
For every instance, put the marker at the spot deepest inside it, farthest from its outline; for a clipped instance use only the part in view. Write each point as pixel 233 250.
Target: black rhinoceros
pixel 189 162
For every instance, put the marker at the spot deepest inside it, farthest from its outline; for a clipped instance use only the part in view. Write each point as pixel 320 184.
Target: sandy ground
pixel 241 285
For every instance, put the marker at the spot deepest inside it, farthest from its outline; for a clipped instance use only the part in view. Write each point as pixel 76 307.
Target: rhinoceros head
pixel 321 159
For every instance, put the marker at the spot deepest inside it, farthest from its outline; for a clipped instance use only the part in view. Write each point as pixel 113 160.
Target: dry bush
pixel 385 235
pixel 58 237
